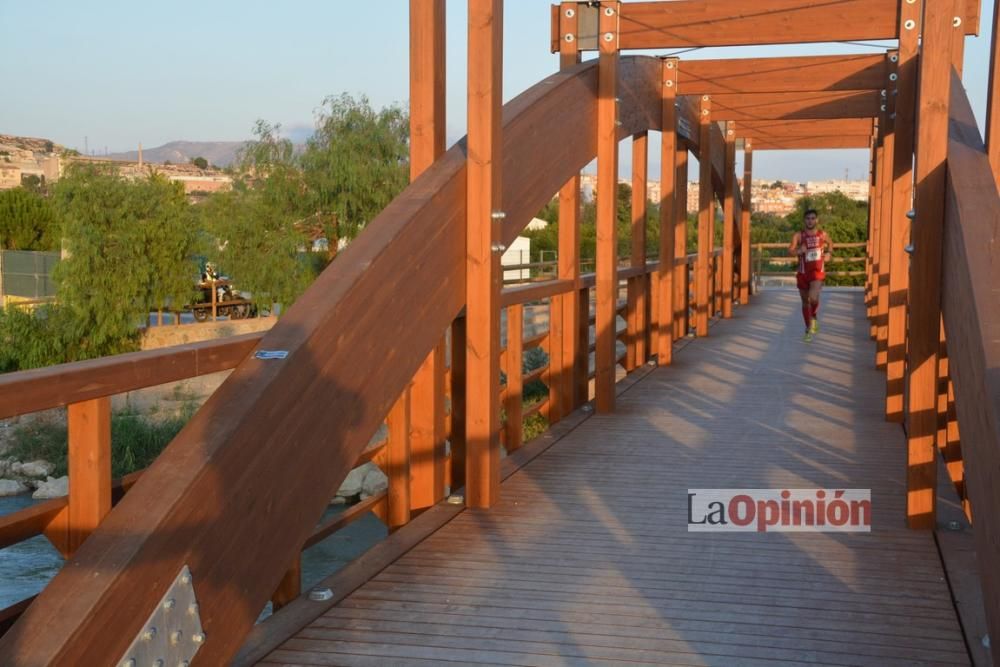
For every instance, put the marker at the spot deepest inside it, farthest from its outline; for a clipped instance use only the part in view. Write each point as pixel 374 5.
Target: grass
pixel 135 442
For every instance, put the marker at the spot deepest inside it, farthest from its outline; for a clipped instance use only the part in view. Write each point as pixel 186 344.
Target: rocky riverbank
pixel 17 477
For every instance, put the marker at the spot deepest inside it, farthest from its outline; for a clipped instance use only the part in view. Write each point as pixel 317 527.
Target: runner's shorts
pixel 803 279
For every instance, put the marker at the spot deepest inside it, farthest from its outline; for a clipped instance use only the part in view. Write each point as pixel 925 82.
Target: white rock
pixel 11 487
pixel 338 500
pixel 375 483
pixel 36 469
pixel 352 485
pixel 15 467
pixel 52 488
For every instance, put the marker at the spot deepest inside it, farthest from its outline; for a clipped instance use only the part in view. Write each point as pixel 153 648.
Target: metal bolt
pixel 499 247
pixel 618 100
pixel 587 408
pixel 893 58
pixel 618 123
pixel 169 604
pixel 883 92
pixel 192 608
pixel 668 84
pixel 186 579
pixel 149 634
pixel 498 215
pixel 456 499
pixel 608 11
pixel 892 116
pixel 569 38
pixel 957 21
pixel 670 64
pixel 609 37
pixel 704 112
pixel 893 76
pixel 909 249
pixel 198 638
pixel 158 662
pixel 320 594
pixel 883 107
pixel 570 13
pixel 910 23
pixel 129 663
pixel 175 636
pixel 183 663
pixel 954 525
pixel 911 214
pixel 704 98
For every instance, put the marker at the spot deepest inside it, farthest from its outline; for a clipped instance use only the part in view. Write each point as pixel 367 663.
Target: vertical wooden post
pixel 514 403
pixel 885 236
pixel 456 438
pixel 398 462
pixel 607 205
pixel 582 383
pixel 665 276
pixel 427 143
pixel 681 282
pixel 564 310
pixel 89 425
pixel 483 258
pixel 637 297
pixel 215 299
pixel 925 265
pixel 876 236
pixel 706 220
pixel 993 103
pixel 729 222
pixel 746 270
pixel 902 202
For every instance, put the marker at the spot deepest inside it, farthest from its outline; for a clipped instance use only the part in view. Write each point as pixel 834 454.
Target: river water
pixel 27 567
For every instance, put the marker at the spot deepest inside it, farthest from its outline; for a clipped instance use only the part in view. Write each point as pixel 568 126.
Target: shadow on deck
pixel 587 559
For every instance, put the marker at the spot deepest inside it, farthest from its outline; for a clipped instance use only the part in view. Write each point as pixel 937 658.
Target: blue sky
pixel 123 72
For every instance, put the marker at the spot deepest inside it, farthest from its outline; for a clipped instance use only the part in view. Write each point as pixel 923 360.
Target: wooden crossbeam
pixel 796 106
pixel 775 75
pixel 692 23
pixel 817 142
pixel 781 129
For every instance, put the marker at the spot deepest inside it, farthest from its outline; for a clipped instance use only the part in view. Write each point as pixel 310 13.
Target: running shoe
pixel 814 328
pixel 808 337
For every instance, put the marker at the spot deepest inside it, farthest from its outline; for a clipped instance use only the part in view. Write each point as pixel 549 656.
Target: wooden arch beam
pixel 237 492
pixel 812 143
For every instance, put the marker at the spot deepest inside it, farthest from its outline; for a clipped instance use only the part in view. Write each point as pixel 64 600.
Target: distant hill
pixel 219 153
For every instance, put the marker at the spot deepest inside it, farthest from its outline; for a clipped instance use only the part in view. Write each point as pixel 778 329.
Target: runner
pixel 812 247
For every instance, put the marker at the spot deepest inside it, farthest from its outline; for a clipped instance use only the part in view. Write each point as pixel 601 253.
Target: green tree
pixel 200 162
pixel 129 247
pixel 28 221
pixel 355 164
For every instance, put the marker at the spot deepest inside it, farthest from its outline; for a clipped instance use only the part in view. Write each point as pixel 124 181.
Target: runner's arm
pixel 795 247
pixel 829 248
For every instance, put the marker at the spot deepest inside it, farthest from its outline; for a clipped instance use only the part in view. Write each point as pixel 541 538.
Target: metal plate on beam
pixel 172 634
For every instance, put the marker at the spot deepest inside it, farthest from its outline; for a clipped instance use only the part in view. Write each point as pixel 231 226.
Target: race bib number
pixel 814 255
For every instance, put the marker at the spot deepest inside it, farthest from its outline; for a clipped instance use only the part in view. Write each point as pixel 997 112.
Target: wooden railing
pixel 842 263
pixel 971 341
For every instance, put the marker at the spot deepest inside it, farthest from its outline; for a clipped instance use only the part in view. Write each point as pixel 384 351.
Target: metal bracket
pixel 172 634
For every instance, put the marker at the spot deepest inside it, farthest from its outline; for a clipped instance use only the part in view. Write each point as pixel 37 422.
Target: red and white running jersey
pixel 812 260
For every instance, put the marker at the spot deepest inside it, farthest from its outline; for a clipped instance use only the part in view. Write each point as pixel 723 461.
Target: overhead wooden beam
pixel 483 278
pixel 777 75
pixel 607 209
pixel 693 23
pixel 796 106
pixel 935 82
pixel 780 129
pixel 812 143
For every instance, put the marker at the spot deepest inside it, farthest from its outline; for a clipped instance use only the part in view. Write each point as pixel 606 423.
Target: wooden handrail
pixel 57 386
pixel 972 320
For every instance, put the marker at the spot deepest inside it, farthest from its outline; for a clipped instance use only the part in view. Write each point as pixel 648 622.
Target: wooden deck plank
pixel 587 558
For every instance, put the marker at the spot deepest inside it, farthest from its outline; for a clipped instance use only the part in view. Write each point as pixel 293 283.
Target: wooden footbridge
pixel 576 547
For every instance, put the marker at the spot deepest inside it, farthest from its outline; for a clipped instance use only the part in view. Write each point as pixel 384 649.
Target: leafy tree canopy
pixel 28 221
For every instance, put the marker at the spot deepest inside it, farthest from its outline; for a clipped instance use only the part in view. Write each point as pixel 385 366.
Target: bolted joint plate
pixel 172 634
